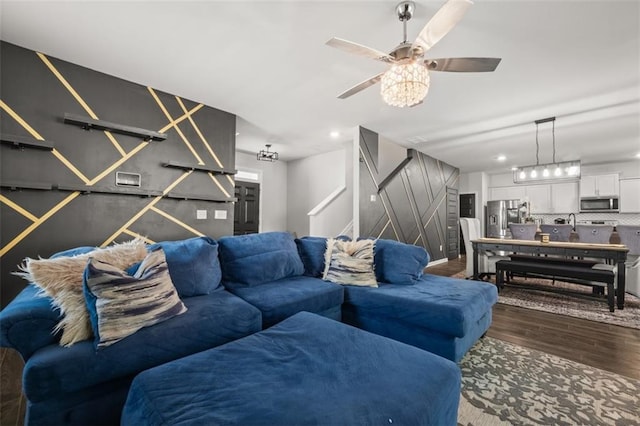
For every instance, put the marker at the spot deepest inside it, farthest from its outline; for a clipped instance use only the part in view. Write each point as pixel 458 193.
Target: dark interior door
pixel 467 209
pixel 247 208
pixel 453 224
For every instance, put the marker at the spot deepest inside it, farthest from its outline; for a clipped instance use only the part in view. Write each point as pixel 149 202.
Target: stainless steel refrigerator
pixel 500 214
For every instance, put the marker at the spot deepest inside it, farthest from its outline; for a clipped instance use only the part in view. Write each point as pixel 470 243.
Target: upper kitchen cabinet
pixel 539 197
pixel 564 197
pixel 630 195
pixel 507 193
pixel 600 186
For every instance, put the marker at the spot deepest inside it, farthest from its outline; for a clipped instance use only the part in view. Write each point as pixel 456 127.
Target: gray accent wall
pixel 411 207
pixel 60 198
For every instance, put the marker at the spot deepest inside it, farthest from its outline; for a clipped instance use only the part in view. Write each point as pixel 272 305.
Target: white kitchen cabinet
pixel 600 185
pixel 539 197
pixel 630 195
pixel 564 197
pixel 507 193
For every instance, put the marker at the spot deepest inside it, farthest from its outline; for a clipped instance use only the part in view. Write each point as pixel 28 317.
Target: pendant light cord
pixel 537 147
pixel 553 132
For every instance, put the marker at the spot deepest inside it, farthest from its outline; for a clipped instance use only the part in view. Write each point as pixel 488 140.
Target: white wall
pixel 273 190
pixel 310 181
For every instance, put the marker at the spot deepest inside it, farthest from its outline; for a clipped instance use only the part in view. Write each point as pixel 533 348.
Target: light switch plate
pixel 201 214
pixel 220 214
pixel 373 198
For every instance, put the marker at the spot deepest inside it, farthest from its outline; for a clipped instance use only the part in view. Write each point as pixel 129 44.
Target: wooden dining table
pixel 616 253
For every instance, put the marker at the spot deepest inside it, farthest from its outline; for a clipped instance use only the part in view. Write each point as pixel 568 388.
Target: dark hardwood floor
pixel 608 347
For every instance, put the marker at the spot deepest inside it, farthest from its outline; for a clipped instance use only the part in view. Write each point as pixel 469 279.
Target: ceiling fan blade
pixel 441 23
pixel 463 64
pixel 358 49
pixel 361 86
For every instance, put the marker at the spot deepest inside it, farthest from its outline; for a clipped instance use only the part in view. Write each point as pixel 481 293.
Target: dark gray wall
pixel 41 222
pixel 411 207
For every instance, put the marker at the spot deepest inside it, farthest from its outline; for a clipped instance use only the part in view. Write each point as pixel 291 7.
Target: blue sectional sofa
pixel 254 281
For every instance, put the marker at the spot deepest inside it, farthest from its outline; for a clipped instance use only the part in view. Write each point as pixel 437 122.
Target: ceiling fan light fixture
pixel 405 84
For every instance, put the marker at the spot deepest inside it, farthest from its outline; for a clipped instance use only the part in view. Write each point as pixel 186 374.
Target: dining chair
pixel 471 230
pixel 523 231
pixel 557 232
pixel 594 234
pixel 630 237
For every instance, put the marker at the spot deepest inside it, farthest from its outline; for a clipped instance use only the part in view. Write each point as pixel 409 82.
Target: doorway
pixel 453 224
pixel 467 209
pixel 246 217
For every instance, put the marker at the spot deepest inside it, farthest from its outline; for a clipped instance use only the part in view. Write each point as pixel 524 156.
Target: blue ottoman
pixel 305 370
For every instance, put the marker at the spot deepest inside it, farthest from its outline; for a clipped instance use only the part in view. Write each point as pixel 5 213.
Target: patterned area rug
pixel 579 302
pixel 506 384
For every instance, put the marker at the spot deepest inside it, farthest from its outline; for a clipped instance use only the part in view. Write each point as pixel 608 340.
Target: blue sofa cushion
pixel 280 299
pixel 307 370
pixel 253 259
pixel 448 305
pixel 193 265
pixel 27 322
pixel 120 304
pixel 311 251
pixel 210 320
pixel 399 263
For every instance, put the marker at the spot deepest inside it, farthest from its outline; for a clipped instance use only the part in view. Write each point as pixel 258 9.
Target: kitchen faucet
pixel 574 221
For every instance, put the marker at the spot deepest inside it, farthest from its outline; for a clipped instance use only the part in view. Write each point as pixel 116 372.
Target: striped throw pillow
pixel 120 304
pixel 350 262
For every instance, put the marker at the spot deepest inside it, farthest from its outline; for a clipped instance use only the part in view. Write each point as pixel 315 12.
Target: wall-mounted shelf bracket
pixel 89 123
pixel 198 167
pixel 25 142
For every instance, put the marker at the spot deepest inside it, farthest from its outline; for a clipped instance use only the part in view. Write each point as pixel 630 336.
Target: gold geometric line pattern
pixel 17 208
pixel 224 191
pixel 77 97
pixel 37 136
pixel 181 118
pixel 384 229
pixel 136 235
pixel 38 222
pixel 204 141
pixel 145 209
pixel 117 164
pixel 177 222
pixel 175 126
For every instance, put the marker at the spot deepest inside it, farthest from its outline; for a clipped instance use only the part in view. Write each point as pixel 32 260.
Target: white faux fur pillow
pixel 61 279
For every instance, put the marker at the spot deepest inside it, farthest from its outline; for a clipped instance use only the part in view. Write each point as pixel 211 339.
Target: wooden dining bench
pixel 555 269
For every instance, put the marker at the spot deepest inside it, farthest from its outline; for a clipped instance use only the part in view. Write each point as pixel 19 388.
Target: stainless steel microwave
pixel 599 205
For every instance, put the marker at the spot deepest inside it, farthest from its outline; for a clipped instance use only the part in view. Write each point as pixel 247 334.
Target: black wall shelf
pixel 17 185
pixel 198 167
pixel 195 197
pixel 103 190
pixel 26 142
pixel 398 169
pixel 89 123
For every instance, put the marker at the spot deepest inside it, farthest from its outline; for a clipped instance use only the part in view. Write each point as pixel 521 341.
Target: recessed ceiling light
pixel 237 133
pixel 501 158
pixel 638 155
pixel 334 134
pixel 514 168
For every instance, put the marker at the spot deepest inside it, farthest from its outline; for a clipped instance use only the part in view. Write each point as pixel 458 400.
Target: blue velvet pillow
pixel 399 263
pixel 259 258
pixel 120 304
pixel 193 265
pixel 312 251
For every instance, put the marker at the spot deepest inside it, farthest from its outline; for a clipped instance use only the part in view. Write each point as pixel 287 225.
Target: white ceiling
pixel 267 62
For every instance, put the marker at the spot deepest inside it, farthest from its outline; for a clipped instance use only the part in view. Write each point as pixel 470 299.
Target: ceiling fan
pixel 406 82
